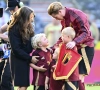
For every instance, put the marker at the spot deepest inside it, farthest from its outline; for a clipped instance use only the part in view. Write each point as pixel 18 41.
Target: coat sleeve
pixel 83 31
pixel 17 46
pixel 82 25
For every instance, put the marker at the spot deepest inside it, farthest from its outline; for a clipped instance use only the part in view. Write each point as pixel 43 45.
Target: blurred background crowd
pixel 43 21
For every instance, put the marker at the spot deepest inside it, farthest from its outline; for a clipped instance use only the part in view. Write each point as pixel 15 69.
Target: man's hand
pixel 34 59
pixel 70 45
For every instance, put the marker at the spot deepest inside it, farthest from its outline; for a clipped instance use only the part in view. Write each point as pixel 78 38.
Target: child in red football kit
pixel 72 82
pixel 50 83
pixel 40 43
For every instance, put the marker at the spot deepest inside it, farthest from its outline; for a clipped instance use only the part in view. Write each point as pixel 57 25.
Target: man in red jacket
pixel 83 39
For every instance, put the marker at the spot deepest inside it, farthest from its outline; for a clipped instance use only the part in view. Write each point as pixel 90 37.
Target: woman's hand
pixel 34 59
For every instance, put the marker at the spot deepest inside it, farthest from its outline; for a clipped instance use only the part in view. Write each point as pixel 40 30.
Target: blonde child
pixel 67 35
pixel 40 44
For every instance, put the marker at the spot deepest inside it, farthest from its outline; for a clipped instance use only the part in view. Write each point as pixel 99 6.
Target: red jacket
pixel 78 20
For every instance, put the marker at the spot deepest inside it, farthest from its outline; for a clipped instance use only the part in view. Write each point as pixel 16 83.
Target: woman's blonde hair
pixel 54 8
pixel 69 31
pixel 36 40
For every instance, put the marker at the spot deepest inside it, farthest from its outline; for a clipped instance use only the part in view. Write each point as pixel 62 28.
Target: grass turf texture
pixel 88 87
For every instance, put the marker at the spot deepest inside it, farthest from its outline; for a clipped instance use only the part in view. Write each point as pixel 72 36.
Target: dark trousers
pixel 73 85
pixel 89 54
pixel 1 68
pixel 5 80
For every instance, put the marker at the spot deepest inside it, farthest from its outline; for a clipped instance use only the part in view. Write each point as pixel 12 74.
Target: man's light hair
pixel 69 31
pixel 36 40
pixel 54 8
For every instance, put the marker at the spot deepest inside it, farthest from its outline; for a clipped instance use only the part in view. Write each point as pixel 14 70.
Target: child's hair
pixel 36 40
pixel 54 8
pixel 69 31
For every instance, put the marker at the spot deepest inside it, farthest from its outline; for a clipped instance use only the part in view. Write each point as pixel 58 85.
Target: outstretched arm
pixel 4 37
pixel 3 28
pixel 37 67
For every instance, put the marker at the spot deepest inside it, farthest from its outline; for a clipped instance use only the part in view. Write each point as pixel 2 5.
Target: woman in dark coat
pixel 20 32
